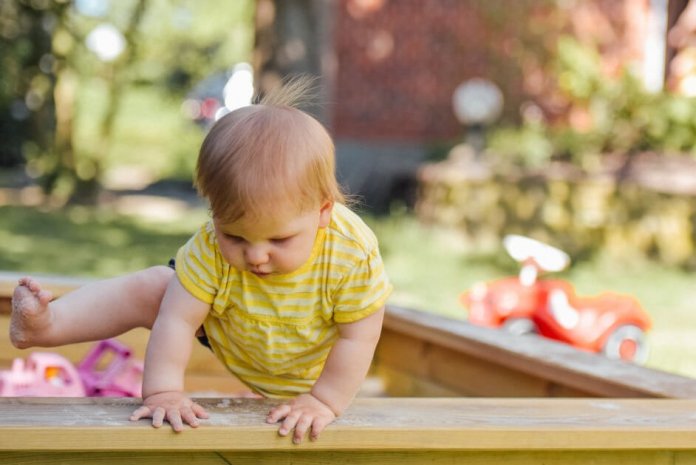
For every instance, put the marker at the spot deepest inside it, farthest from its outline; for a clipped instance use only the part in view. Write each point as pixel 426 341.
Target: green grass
pixel 429 266
pixel 87 242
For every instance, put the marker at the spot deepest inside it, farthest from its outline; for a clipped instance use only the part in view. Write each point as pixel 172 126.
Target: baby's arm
pixel 168 352
pixel 344 372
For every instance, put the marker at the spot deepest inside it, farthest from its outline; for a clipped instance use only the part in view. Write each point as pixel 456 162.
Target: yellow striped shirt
pixel 275 333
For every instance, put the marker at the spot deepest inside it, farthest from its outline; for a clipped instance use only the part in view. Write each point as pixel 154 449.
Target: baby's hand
pixel 172 406
pixel 302 413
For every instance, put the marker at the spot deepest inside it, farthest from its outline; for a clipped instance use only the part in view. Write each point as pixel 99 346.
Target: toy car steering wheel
pixel 522 249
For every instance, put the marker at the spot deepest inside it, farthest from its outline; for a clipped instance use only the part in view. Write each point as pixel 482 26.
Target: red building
pixel 389 67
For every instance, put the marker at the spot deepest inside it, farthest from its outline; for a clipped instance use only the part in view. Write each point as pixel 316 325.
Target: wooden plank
pixel 399 383
pixel 419 343
pixel 353 458
pixel 113 458
pixel 519 425
pixel 459 373
pixel 465 458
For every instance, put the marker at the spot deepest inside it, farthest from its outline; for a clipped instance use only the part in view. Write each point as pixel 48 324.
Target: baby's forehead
pixel 267 226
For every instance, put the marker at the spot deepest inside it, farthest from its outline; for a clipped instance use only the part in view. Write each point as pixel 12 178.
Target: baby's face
pixel 272 245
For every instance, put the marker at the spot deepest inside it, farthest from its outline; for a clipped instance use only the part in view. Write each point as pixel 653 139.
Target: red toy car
pixel 609 323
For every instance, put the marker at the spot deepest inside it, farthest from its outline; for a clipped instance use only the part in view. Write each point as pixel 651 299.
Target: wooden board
pixel 297 457
pixel 477 361
pixel 446 431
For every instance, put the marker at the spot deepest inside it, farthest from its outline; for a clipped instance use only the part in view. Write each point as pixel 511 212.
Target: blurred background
pixel 456 122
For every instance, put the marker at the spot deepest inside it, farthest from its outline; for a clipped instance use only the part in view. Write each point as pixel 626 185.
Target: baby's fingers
pixel 141 412
pixel 278 413
pixel 199 411
pixel 188 415
pixel 158 417
pixel 303 424
pixel 289 423
pixel 174 419
pixel 318 426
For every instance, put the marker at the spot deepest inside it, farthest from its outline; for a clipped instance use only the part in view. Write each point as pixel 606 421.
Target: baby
pixel 285 284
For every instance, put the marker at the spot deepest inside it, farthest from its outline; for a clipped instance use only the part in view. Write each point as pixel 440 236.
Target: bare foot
pixel 30 313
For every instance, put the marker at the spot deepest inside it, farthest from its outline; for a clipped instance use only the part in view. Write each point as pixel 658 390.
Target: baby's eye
pixel 234 238
pixel 280 240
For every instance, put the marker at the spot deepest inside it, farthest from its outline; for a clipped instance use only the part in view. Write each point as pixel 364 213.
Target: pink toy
pixel 44 375
pixel 121 377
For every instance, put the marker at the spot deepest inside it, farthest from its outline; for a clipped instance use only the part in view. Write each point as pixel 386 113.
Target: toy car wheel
pixel 628 343
pixel 519 326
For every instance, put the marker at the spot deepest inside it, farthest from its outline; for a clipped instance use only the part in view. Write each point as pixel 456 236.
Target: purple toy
pixel 121 377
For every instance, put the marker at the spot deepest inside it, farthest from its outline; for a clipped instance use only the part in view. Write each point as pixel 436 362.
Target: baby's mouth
pixel 260 273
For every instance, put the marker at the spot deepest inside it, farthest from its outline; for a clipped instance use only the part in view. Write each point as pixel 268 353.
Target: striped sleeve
pixel 363 291
pixel 196 265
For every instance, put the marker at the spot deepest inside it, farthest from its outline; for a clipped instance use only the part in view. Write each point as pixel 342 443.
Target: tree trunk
pixel 294 37
pixel 88 187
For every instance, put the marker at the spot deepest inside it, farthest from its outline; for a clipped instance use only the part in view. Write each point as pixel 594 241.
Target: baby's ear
pixel 325 213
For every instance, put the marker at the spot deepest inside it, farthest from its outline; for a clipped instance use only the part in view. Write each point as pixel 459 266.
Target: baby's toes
pixel 27 303
pixel 44 297
pixel 33 285
pixel 21 297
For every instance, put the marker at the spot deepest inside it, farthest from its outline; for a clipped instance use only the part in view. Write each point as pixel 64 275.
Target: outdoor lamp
pixel 477 103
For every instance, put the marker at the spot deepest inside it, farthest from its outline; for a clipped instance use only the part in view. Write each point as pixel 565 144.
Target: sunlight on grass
pixel 85 242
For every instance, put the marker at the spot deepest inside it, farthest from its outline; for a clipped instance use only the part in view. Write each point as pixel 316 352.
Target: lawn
pixel 429 266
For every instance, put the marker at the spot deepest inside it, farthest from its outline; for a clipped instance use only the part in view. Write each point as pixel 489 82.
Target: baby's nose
pixel 256 255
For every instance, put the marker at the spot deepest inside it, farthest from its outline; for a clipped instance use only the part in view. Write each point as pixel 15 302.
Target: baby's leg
pixel 98 310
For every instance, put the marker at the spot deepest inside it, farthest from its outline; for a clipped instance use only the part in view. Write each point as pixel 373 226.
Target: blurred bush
pixel 648 211
pixel 605 116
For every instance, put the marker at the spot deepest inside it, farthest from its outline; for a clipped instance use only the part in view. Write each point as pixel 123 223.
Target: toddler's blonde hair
pixel 267 156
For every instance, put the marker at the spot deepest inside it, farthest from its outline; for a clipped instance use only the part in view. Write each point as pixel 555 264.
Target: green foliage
pixel 623 116
pixel 169 47
pixel 182 42
pixel 528 146
pixel 25 81
pixel 578 69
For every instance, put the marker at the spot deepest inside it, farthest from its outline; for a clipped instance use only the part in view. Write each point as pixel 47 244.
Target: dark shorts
pixel 202 337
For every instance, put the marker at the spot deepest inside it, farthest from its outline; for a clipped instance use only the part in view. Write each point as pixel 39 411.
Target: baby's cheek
pixel 280 263
pixel 228 253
